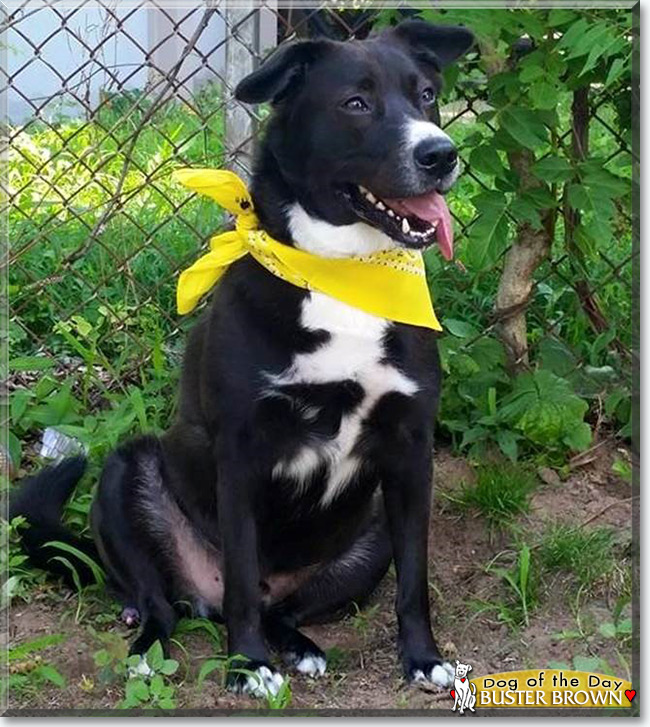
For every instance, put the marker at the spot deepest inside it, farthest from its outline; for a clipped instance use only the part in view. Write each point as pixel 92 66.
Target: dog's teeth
pixel 380 206
pixel 371 197
pixel 405 226
pixel 391 213
pixel 363 190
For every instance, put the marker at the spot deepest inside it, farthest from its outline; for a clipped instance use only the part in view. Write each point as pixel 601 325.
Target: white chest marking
pixel 354 351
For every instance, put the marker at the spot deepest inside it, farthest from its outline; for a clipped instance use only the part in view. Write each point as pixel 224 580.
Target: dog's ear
pixel 445 43
pixel 457 662
pixel 469 667
pixel 281 72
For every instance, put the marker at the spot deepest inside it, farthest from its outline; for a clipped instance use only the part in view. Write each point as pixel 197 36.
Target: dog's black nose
pixel 437 156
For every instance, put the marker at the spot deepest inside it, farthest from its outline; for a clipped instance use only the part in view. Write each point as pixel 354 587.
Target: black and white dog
pixel 301 459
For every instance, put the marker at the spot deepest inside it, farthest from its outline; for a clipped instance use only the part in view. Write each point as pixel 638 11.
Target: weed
pixel 190 625
pixel 362 620
pixel 501 492
pixel 146 683
pixel 586 554
pixel 336 658
pixel 28 672
pixel 620 631
pixel 520 579
pixel 22 579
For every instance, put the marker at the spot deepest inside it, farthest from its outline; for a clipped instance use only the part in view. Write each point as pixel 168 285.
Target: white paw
pixel 311 665
pixel 262 683
pixel 442 675
pixel 141 670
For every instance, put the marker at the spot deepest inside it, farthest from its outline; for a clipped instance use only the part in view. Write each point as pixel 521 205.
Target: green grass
pixel 501 492
pixel 588 555
pixel 521 580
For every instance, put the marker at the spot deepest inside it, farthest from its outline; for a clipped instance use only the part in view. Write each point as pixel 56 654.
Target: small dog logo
pixel 464 692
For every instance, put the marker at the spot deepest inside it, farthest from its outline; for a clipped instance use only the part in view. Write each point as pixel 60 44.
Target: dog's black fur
pixel 201 511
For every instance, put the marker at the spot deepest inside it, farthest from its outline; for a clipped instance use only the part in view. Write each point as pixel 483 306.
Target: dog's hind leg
pixel 123 515
pixel 349 579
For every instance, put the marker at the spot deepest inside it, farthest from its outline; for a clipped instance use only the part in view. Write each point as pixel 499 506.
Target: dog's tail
pixel 49 545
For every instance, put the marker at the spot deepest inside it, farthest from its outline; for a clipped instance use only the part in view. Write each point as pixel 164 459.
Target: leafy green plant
pixel 28 672
pixel 363 619
pixel 621 631
pixel 522 584
pixel 21 577
pixel 147 685
pixel 192 625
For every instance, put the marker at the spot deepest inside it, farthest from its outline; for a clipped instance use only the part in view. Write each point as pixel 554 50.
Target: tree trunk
pixel 580 151
pixel 522 259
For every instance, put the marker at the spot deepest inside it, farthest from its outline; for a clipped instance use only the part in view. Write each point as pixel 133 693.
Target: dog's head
pixel 353 139
pixel 462 669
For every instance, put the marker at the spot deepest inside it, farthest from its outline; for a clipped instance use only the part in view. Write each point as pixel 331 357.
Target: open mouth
pixel 415 222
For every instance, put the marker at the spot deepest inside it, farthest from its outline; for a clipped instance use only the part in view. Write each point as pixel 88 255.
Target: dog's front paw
pixel 255 678
pixel 430 671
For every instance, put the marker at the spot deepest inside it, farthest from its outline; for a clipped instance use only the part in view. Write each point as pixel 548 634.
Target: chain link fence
pixel 103 100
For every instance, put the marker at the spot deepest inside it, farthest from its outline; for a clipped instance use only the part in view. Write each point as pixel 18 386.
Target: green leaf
pixel 572 34
pixel 155 656
pixel 531 72
pixel 188 625
pixel 209 666
pixel 31 363
pixel 578 438
pixel 156 685
pixel 552 169
pixel 523 210
pixel 43 642
pixel 460 329
pixel 488 236
pixel 169 666
pixel 588 200
pixel 592 37
pixel 608 630
pixel 136 690
pixel 586 663
pixel 15 449
pixel 49 673
pixel 560 16
pixel 507 441
pixel 543 95
pixel 617 69
pixel 98 573
pixel 625 626
pixel 524 126
pixel 486 159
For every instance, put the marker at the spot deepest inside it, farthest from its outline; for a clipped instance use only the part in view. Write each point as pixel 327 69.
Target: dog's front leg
pixel 253 673
pixel 406 483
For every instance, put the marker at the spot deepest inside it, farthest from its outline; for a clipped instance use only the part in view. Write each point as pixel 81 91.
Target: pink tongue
pixel 432 208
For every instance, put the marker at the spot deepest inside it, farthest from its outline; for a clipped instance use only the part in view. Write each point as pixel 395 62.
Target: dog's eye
pixel 356 103
pixel 428 96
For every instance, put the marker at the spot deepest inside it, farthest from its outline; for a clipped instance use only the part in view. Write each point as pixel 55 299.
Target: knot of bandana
pixel 389 284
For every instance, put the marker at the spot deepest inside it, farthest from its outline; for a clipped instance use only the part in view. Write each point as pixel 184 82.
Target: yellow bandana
pixel 390 284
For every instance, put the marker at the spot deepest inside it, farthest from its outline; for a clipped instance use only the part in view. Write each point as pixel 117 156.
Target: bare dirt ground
pixel 363 670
